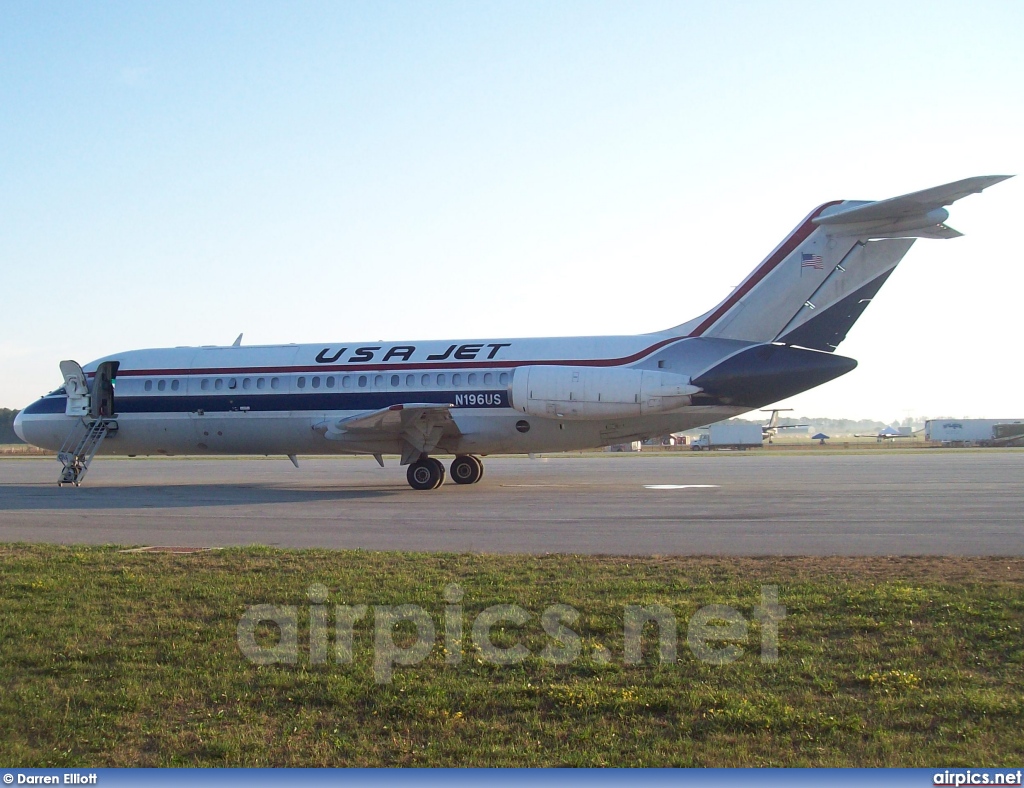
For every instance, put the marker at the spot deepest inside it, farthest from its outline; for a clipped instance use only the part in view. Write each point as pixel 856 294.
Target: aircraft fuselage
pixel 272 399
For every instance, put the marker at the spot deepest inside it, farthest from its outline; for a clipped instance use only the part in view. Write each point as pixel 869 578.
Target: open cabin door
pixel 77 389
pixel 97 401
pixel 94 408
pixel 102 405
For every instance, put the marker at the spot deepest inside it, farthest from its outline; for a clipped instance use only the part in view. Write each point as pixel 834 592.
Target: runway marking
pixel 680 486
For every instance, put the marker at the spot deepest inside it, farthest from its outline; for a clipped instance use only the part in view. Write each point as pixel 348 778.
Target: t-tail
pixel 814 285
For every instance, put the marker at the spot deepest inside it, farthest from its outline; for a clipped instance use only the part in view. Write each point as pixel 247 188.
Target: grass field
pixel 117 659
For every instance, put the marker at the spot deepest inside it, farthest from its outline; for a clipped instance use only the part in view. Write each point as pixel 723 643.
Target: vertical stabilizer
pixel 815 284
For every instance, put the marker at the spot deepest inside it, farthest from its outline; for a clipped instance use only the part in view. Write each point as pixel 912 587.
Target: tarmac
pixel 932 502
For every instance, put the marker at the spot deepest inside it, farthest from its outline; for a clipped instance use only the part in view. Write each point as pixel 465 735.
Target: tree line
pixel 7 434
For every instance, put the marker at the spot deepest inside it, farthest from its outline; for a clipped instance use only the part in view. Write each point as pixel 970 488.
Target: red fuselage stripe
pixel 409 366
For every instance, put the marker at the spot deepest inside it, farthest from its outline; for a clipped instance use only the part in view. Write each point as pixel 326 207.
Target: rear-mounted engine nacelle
pixel 564 392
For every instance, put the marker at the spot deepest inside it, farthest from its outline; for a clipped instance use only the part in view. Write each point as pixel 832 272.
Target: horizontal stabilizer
pixel 942 232
pixel 918 214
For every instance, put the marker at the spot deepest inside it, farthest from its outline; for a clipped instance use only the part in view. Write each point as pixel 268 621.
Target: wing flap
pixel 420 427
pixel 392 421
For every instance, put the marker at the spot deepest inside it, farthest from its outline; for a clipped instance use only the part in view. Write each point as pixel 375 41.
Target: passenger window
pixel 149 385
pixel 174 385
pixel 457 379
pixel 440 379
pixel 218 383
pixel 488 378
pixel 161 385
pixel 362 381
pixel 378 381
pixel 471 380
pixel 425 381
pixel 246 383
pixel 232 383
pixel 346 382
pixel 261 383
pixel 301 383
pixel 503 378
pixel 205 384
pixel 410 380
pixel 316 381
pixel 330 381
pixel 275 383
pixel 395 380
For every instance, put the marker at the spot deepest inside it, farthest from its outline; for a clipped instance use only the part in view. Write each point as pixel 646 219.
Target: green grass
pixel 117 659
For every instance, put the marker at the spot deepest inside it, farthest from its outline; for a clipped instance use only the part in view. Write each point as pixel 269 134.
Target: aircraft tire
pixel 439 468
pixel 423 474
pixel 467 469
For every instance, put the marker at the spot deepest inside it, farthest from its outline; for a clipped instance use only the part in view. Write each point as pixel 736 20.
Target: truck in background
pixel 729 436
pixel 975 432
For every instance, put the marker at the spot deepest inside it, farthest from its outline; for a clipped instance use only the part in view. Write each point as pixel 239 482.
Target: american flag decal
pixel 811 261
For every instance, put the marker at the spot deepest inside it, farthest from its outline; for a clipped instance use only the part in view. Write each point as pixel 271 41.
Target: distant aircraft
pixel 886 434
pixel 772 337
pixel 771 429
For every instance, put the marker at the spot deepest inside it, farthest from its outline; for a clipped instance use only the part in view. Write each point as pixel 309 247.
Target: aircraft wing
pixel 395 418
pixel 420 426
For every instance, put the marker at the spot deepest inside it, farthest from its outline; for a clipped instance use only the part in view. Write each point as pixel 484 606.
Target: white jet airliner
pixel 774 336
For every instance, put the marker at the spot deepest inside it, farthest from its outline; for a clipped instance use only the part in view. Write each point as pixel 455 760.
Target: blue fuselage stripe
pixel 319 401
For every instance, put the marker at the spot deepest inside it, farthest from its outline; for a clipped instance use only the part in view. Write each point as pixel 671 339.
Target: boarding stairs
pixel 80 447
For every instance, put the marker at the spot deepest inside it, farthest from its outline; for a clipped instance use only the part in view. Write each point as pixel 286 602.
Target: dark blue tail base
pixel 768 373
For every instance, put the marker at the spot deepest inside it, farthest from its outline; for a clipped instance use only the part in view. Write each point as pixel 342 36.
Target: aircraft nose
pixel 19 429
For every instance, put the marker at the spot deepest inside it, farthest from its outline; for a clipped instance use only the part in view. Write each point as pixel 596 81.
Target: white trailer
pixel 973 432
pixel 729 436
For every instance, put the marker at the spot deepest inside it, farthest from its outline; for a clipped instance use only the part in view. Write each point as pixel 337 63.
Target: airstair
pixel 80 447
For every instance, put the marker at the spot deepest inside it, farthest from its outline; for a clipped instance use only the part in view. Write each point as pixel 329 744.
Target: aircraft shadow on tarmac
pixel 30 497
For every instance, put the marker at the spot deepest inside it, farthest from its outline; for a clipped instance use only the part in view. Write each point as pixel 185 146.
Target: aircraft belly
pixel 163 433
pixel 281 432
pixel 242 433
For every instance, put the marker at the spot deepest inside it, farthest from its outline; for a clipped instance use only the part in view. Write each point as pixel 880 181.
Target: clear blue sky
pixel 175 173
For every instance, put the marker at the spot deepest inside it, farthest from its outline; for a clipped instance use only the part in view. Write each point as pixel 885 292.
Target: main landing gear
pixel 428 473
pixel 467 469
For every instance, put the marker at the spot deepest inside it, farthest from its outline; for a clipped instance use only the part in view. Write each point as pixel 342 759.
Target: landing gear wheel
pixel 425 474
pixel 439 466
pixel 467 469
